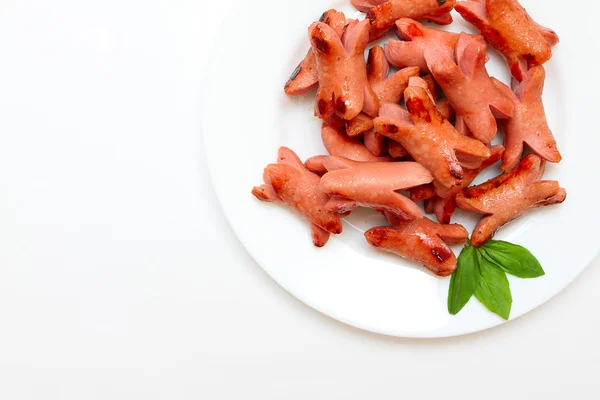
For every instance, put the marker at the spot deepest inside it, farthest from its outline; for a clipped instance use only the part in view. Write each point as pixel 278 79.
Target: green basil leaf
pixel 464 280
pixel 493 290
pixel 513 259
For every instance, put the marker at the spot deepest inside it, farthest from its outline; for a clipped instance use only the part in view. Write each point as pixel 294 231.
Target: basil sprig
pixel 482 272
pixel 464 281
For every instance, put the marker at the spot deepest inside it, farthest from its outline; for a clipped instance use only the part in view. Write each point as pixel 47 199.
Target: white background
pixel 120 278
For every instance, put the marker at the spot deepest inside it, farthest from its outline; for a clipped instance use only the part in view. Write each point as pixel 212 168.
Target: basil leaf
pixel 464 280
pixel 493 290
pixel 513 259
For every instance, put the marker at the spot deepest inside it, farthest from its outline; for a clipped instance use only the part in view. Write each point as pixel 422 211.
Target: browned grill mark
pixel 321 45
pixel 340 105
pixel 294 75
pixel 371 17
pixel 322 105
pixel 390 128
pixel 441 253
pixel 414 31
pixel 416 106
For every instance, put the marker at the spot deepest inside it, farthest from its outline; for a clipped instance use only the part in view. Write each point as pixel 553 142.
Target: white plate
pixel 247 116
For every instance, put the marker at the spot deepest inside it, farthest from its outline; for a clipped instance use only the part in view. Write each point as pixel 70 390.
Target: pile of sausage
pixel 426 129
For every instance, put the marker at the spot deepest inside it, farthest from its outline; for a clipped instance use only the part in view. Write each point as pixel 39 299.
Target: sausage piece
pixel 375 142
pixel 423 192
pixel 476 98
pixel 443 106
pixel 359 125
pixel 395 149
pixel 305 76
pixel 420 240
pixel 384 15
pixel 509 196
pixel 365 5
pixel 373 185
pixel 290 183
pixel 529 125
pixel 415 38
pixel 508 27
pixel 430 138
pixel 343 86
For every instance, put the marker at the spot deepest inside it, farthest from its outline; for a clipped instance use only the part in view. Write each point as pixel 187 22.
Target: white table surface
pixel 121 279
